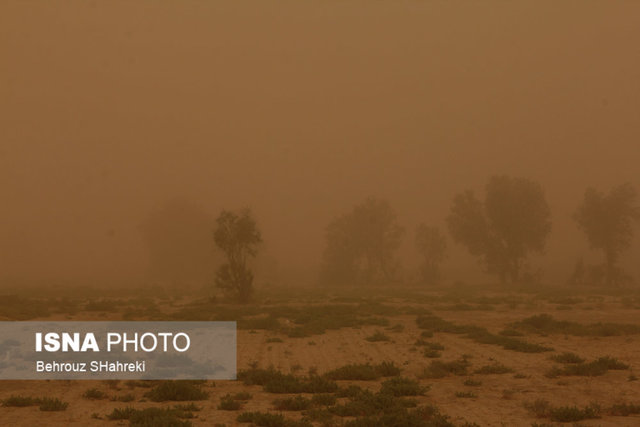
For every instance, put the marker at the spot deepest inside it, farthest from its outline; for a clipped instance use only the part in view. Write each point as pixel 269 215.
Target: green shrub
pixel 52 404
pixel 94 393
pixel 477 334
pixel 567 357
pixel 121 413
pixel 361 372
pixel 400 386
pixel 276 382
pixel 151 417
pixel 595 368
pixel 365 403
pixel 387 369
pixel 624 409
pixel 472 383
pixel 543 409
pixel 228 403
pixel 566 414
pixel 297 403
pixel 440 369
pixel 421 416
pixel 496 368
pixel 432 354
pixel 540 408
pixel 159 417
pixel 124 398
pixel 323 399
pixel 364 372
pixel 269 420
pixel 177 391
pixel 350 391
pixel 546 324
pixel 21 401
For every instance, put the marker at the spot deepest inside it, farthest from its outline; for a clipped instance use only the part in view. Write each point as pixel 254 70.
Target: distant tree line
pixel 511 222
pixel 502 229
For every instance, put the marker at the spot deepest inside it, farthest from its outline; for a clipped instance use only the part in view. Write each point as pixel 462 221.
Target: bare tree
pixel 513 221
pixel 607 220
pixel 238 236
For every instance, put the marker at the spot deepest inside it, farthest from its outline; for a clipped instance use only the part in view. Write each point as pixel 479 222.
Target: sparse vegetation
pixel 543 409
pixel 21 401
pixel 44 403
pixel 228 403
pixel 297 403
pixel 364 372
pixel 94 393
pixel 324 399
pixel 276 382
pixel 440 369
pixel 397 398
pixel 52 404
pixel 595 368
pixel 124 398
pixel 478 334
pixel 466 394
pixel 265 419
pixel 567 357
pixel 177 391
pixel 624 409
pixel 495 368
pixel 378 336
pixel 545 324
pixel 400 386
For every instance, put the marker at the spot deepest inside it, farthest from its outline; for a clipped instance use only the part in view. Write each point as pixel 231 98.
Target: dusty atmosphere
pixel 433 202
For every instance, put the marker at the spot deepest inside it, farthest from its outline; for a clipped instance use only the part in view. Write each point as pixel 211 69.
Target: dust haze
pixel 112 111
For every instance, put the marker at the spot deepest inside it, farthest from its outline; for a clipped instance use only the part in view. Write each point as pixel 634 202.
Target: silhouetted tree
pixel 432 245
pixel 579 275
pixel 607 220
pixel 177 238
pixel 238 236
pixel 361 245
pixel 513 221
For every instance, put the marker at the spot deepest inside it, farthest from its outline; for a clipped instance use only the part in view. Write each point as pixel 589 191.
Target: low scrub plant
pixel 595 368
pixel 440 369
pixel 179 390
pixel 495 368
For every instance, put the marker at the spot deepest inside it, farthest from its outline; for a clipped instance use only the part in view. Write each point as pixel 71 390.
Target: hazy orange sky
pixel 300 110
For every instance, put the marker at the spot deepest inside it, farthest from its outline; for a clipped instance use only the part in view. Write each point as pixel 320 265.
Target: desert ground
pixel 452 356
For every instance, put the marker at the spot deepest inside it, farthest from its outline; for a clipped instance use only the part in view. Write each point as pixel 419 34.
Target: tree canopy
pixel 237 235
pixel 607 221
pixel 513 221
pixel 361 245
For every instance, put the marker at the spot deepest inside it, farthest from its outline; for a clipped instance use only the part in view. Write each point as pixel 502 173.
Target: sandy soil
pixel 500 397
